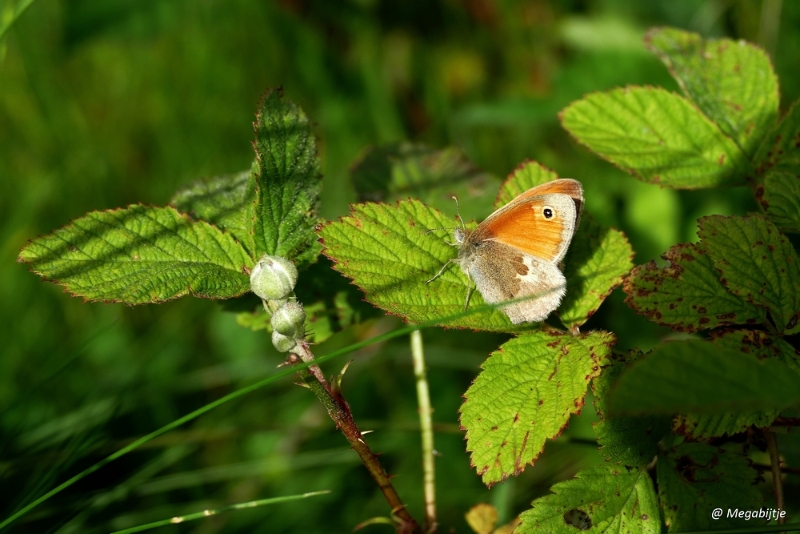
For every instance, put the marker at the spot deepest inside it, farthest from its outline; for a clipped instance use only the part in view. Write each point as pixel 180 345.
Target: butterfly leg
pixel 441 271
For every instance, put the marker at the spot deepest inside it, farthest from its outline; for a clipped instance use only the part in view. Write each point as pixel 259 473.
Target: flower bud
pixel 273 277
pixel 289 319
pixel 283 343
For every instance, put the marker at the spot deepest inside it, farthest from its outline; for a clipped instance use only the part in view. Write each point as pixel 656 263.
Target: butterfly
pixel 516 252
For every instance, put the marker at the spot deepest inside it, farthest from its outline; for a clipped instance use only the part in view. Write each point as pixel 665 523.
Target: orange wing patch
pixel 523 226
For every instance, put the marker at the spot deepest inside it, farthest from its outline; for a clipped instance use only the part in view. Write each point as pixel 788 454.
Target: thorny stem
pixel 339 411
pixel 426 426
pixel 775 461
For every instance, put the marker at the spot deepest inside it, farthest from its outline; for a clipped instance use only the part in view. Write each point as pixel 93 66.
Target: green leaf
pixel 732 82
pixel 630 441
pixel 140 255
pixel 388 253
pixel 761 345
pixel 694 479
pixel 703 377
pixel 597 262
pixel 527 175
pixel 687 294
pixel 780 197
pixel 657 136
pixel 287 181
pixel 757 263
pixel 525 395
pixel 780 150
pixel 599 500
pixel 400 170
pixel 224 201
pixel 598 258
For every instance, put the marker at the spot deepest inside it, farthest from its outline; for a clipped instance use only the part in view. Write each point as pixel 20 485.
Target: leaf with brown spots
pixel 732 82
pixel 757 263
pixel 632 440
pixel 781 199
pixel 686 294
pixel 601 499
pixel 525 395
pixel 780 149
pixel 694 478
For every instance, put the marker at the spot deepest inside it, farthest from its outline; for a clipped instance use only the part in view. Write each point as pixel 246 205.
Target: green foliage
pixel 710 73
pixel 657 136
pixel 628 440
pixel 389 253
pixel 738 285
pixel 525 395
pixel 287 181
pixel 601 499
pixel 704 377
pixel 694 478
pixel 781 199
pixel 140 254
pixel 598 258
pixel 687 294
pixel 758 264
pixel 400 170
pixel 226 202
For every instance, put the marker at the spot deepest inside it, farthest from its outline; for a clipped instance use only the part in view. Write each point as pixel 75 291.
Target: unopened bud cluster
pixel 273 279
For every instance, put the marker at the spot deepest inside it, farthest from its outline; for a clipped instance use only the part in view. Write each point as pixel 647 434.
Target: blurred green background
pixel 104 103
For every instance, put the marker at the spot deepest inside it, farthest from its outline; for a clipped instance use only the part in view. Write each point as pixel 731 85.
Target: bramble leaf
pixel 388 253
pixel 287 181
pixel 761 345
pixel 694 479
pixel 140 255
pixel 224 201
pixel 630 441
pixel 400 170
pixel 598 500
pixel 597 262
pixel 780 149
pixel 757 263
pixel 780 197
pixel 598 258
pixel 527 175
pixel 687 294
pixel 732 82
pixel 657 136
pixel 703 377
pixel 525 395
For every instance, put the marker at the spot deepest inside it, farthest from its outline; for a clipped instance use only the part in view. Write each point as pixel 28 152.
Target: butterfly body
pixel 516 252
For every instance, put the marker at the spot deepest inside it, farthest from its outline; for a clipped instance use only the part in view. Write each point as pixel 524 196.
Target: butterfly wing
pixel 503 273
pixel 540 222
pixel 541 226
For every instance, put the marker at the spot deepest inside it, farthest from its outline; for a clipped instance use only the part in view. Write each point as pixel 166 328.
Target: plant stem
pixel 775 461
pixel 426 426
pixel 339 411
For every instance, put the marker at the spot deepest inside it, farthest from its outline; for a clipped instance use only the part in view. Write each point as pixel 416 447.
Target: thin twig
pixel 426 426
pixel 775 462
pixel 339 411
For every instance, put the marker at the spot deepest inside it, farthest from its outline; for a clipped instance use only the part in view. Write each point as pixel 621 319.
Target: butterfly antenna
pixel 458 214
